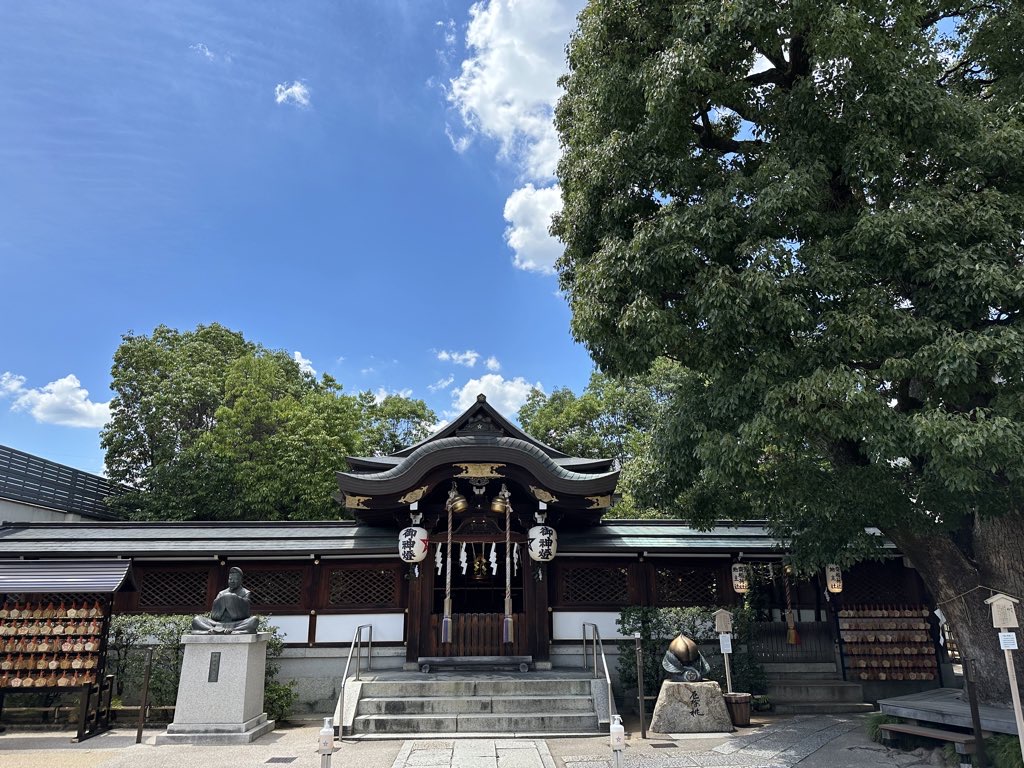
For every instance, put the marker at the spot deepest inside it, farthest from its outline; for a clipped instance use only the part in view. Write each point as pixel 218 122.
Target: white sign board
pixel 723 621
pixel 1003 613
pixel 725 641
pixel 1007 641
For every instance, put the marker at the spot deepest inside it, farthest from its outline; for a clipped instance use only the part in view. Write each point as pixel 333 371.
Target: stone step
pixel 547 722
pixel 807 691
pixel 821 707
pixel 798 675
pixel 439 705
pixel 453 688
pixel 789 669
pixel 808 666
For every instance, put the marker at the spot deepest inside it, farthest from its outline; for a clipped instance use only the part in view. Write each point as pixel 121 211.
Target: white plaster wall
pixel 568 625
pixel 387 627
pixel 294 629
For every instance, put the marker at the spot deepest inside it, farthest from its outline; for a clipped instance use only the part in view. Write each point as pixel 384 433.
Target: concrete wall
pixel 19 512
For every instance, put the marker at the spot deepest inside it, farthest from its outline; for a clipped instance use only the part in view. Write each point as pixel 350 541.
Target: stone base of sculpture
pixel 691 708
pixel 220 694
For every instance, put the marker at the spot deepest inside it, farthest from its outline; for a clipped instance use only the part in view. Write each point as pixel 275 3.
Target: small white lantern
pixel 740 578
pixel 834 578
pixel 543 543
pixel 413 543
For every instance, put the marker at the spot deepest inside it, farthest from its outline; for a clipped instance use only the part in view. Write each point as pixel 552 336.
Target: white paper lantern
pixel 740 578
pixel 543 543
pixel 834 579
pixel 413 543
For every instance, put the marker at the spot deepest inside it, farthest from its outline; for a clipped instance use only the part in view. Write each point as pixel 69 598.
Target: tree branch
pixel 707 139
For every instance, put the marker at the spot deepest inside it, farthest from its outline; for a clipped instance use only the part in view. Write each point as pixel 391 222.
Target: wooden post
pixel 145 695
pixel 972 699
pixel 1004 617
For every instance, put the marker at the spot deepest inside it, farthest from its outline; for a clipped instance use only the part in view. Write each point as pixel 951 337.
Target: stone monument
pixel 220 693
pixel 685 703
pixel 691 708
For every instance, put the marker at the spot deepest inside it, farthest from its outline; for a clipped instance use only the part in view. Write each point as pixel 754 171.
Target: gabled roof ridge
pixel 503 423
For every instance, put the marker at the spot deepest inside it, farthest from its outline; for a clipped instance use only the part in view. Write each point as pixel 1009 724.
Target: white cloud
pixel 201 48
pixel 507 90
pixel 450 39
pixel 296 93
pixel 367 371
pixel 305 364
pixel 11 384
pixel 467 358
pixel 492 363
pixel 441 383
pixel 528 212
pixel 381 394
pixel 506 395
pixel 64 401
pixel 508 86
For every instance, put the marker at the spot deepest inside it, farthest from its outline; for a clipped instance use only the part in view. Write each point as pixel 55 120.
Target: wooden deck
pixel 948 706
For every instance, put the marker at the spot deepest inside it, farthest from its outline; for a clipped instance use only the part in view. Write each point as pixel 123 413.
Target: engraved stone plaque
pixel 214 667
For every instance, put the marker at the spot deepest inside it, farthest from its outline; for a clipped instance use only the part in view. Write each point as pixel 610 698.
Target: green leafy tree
pixel 612 418
pixel 206 425
pixel 393 423
pixel 817 209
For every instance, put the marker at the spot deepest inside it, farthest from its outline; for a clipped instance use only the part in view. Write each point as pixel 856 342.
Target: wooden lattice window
pixel 685 586
pixel 274 587
pixel 362 588
pixel 595 585
pixel 174 589
pixel 873 584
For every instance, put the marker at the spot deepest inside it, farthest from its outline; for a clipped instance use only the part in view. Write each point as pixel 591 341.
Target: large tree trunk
pixel 960 584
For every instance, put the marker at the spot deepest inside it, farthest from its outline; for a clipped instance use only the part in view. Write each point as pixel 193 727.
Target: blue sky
pixel 364 183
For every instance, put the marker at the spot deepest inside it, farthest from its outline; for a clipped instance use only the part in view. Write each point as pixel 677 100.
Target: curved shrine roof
pixel 478 445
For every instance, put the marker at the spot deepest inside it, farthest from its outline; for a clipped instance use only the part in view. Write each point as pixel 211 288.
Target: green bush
pixel 1003 751
pixel 876 719
pixel 657 628
pixel 130 635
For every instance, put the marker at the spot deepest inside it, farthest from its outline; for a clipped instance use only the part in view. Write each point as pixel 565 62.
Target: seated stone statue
pixel 231 612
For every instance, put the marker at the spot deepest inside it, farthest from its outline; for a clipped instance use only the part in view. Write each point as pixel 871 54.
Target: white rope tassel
pixel 508 632
pixel 494 559
pixel 446 621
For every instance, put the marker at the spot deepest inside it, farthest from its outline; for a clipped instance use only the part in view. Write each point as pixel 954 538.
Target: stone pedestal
pixel 691 708
pixel 220 694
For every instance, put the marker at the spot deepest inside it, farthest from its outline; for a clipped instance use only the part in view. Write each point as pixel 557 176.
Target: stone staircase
pixel 482 704
pixel 812 688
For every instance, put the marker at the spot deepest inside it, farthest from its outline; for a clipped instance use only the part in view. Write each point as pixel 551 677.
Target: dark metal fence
pixel 768 643
pixel 28 478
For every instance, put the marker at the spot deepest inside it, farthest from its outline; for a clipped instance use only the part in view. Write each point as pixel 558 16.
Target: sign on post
pixel 1004 618
pixel 723 621
pixel 725 641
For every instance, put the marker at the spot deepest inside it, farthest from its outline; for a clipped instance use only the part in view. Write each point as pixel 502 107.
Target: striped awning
pixel 65 576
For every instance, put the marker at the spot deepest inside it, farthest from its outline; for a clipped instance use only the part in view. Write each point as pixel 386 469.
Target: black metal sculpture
pixel 231 613
pixel 684 662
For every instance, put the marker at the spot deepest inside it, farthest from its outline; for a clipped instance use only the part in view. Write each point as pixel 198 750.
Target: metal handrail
pixel 596 643
pixel 356 646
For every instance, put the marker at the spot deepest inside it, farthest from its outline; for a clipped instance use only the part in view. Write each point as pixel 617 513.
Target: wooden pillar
pixel 540 613
pixel 417 610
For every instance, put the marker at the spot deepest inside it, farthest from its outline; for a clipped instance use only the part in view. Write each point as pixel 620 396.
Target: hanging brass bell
pixel 456 501
pixel 499 505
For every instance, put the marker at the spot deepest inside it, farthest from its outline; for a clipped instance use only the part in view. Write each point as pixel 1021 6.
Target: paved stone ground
pixel 826 741
pixel 475 753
